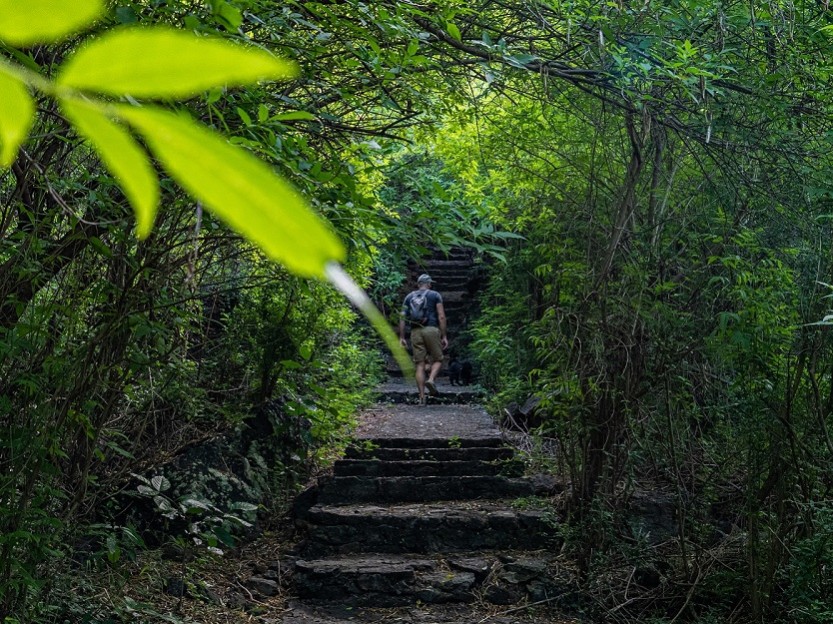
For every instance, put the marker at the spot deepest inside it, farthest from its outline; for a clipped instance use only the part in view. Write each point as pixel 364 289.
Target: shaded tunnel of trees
pixel 648 187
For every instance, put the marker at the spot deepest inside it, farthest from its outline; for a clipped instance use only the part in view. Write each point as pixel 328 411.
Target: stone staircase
pixel 458 279
pixel 429 507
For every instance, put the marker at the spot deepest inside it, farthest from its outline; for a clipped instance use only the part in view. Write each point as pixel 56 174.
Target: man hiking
pixel 424 312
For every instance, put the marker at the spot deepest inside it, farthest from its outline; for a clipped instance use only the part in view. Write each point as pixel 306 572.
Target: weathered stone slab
pixel 381 581
pixel 379 468
pixel 432 488
pixel 420 443
pixel 461 396
pixel 431 454
pixel 426 529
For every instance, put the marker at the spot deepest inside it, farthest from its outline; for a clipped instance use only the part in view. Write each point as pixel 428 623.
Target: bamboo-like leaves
pixel 122 155
pixel 165 63
pixel 24 22
pixel 239 188
pixel 17 111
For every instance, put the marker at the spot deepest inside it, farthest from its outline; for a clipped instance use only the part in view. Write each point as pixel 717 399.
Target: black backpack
pixel 417 311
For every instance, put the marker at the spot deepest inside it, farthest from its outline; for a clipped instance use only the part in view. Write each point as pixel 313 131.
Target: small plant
pixel 206 525
pixel 455 442
pixel 530 502
pixel 367 446
pixel 117 542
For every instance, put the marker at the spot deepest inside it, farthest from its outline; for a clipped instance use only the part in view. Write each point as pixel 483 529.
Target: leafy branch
pixel 107 89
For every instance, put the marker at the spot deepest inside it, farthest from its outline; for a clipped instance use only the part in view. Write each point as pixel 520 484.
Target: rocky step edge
pixel 371 444
pixel 449 395
pixel 490 449
pixel 439 527
pixel 427 468
pixel 440 453
pixel 385 580
pixel 413 489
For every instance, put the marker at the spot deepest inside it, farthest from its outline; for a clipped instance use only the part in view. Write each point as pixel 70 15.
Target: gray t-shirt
pixel 432 299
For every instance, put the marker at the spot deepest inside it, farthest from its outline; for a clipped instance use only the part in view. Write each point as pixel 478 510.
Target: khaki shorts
pixel 426 341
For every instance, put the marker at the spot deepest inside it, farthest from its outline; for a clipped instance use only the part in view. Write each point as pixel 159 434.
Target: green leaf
pixel 240 189
pixel 122 156
pixel 17 112
pixel 224 536
pixel 454 31
pixel 294 116
pixel 126 15
pixel 166 63
pixel 228 15
pixel 24 22
pixel 244 116
pixel 160 483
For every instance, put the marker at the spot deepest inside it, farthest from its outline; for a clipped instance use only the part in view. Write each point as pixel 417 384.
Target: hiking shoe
pixel 432 387
pixel 421 401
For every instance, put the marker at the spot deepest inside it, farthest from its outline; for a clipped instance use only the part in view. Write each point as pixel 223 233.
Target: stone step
pixel 466 395
pixel 460 282
pixel 442 454
pixel 410 489
pixel 415 443
pixel 382 581
pixel 453 263
pixel 388 580
pixel 448 275
pixel 427 528
pixel 380 468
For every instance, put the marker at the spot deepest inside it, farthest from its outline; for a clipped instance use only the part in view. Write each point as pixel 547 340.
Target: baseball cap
pixel 425 279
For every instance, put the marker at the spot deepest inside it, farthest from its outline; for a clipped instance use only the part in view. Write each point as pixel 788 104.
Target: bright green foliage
pixel 122 155
pixel 163 63
pixel 45 21
pixel 17 111
pixel 240 189
pixel 166 63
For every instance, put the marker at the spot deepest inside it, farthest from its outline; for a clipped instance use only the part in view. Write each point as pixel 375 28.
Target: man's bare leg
pixel 435 370
pixel 420 379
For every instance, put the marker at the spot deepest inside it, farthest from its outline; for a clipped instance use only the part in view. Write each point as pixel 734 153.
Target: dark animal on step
pixel 459 373
pixel 454 369
pixel 466 373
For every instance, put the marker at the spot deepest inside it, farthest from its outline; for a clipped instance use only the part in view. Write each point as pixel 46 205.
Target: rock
pixel 443 587
pixel 530 408
pixel 208 595
pixel 499 595
pixel 478 566
pixel 457 584
pixel 511 414
pixel 264 587
pixel 431 595
pixel 237 601
pixel 520 572
pixel 271 575
pixel 544 589
pixel 303 502
pixel 653 517
pixel 175 586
